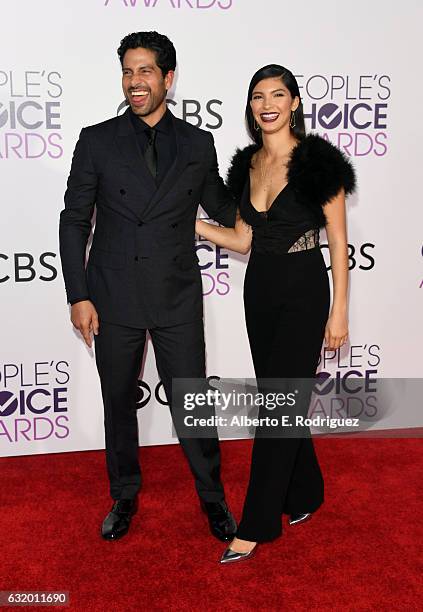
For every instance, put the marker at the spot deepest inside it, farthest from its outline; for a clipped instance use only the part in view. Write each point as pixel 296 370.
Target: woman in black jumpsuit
pixel 286 288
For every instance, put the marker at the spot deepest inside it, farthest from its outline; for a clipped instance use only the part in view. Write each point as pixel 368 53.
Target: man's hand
pixel 85 318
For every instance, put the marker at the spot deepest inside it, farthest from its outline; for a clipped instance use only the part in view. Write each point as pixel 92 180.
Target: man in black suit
pixel 145 172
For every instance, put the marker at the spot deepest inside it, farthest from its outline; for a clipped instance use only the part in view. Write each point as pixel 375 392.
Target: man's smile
pixel 139 97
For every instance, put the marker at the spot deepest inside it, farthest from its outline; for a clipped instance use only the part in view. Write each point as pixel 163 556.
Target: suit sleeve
pixel 217 200
pixel 75 219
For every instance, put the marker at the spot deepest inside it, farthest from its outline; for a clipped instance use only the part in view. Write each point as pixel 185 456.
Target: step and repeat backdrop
pixel 59 71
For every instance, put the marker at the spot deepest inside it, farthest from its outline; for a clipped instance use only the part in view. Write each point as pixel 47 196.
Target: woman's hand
pixel 198 227
pixel 236 238
pixel 336 332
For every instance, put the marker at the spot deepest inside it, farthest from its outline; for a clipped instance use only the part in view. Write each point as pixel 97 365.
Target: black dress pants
pixel 286 300
pixel 180 353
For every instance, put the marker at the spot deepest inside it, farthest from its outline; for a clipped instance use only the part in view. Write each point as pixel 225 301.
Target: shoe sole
pixel 301 521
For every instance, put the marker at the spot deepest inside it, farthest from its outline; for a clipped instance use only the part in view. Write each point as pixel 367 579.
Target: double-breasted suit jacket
pixel 142 269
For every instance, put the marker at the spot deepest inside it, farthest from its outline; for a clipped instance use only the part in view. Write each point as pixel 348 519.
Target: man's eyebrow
pixel 139 67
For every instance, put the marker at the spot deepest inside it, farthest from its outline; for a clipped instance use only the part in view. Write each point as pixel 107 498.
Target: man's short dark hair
pixel 159 43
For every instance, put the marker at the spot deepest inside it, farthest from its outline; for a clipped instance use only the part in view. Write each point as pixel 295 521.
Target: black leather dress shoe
pixel 222 524
pixel 116 524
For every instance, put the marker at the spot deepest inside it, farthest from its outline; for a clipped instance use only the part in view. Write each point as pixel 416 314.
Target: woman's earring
pixel 292 123
pixel 256 126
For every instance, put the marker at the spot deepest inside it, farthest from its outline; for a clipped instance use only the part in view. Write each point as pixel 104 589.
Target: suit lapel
pixel 126 141
pixel 183 150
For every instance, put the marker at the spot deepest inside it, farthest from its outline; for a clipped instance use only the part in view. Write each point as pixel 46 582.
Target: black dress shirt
pixel 165 141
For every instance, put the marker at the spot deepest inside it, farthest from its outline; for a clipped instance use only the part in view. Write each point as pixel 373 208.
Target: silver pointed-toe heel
pixel 230 556
pixel 295 519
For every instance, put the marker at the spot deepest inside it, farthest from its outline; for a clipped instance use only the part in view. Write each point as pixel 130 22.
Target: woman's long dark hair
pixel 290 82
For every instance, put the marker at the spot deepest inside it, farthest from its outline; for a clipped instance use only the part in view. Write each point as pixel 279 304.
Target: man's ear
pixel 169 79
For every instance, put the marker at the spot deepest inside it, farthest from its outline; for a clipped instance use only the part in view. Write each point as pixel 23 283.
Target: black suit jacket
pixel 142 269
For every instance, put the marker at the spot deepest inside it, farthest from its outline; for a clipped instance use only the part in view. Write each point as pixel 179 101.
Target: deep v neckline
pixel 265 212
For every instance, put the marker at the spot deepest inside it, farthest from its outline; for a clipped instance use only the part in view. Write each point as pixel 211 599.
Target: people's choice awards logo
pixel 214 262
pixel 30 114
pixel 347 384
pixel 352 111
pixel 34 401
pixel 223 5
pixel 8 403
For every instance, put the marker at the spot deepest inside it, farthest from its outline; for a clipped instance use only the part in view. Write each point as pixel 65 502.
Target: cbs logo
pixel 24 267
pixel 358 256
pixel 144 394
pixel 192 111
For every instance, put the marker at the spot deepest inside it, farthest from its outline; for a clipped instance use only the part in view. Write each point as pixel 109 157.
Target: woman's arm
pixel 236 239
pixel 336 230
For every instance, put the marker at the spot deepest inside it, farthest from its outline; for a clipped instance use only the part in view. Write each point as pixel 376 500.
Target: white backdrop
pixel 59 71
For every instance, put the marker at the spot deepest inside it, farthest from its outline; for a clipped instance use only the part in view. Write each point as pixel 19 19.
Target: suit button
pixel 136 258
pixel 174 225
pixel 140 223
pixel 122 192
pixel 189 191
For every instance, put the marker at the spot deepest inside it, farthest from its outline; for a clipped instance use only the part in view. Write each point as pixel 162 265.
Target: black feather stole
pixel 317 170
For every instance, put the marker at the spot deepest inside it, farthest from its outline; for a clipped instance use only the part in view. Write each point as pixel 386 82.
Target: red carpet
pixel 359 552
